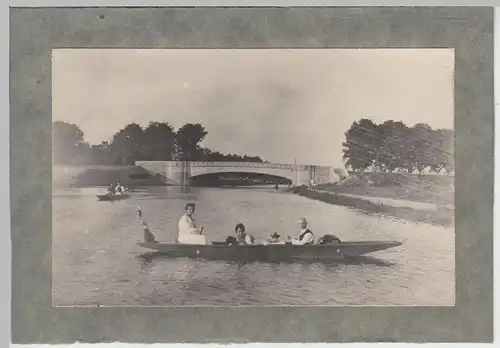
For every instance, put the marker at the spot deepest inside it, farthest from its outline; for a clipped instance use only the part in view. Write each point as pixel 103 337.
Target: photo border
pixel 36 31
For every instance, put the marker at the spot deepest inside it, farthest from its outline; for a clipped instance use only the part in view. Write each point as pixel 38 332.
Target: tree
pixel 419 148
pixel 127 145
pixel 158 141
pixel 393 145
pixel 445 157
pixel 100 154
pixel 361 148
pixel 205 154
pixel 187 141
pixel 67 139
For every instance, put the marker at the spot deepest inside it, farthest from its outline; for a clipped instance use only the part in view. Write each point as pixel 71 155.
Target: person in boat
pixel 306 237
pixel 242 235
pixel 111 189
pixel 119 189
pixel 188 232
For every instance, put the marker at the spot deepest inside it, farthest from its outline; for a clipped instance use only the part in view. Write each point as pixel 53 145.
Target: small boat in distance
pixel 272 252
pixel 113 197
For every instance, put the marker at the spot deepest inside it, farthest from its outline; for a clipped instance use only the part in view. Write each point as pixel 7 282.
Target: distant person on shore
pixel 242 235
pixel 305 237
pixel 188 233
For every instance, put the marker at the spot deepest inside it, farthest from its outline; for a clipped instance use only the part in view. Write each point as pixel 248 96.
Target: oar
pixel 148 236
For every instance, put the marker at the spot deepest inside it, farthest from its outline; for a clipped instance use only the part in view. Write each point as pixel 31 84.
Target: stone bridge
pixel 180 172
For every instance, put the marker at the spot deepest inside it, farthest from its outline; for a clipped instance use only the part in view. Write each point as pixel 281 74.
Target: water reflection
pixel 149 257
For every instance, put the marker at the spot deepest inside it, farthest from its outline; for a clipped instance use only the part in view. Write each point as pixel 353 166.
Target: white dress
pixel 188 233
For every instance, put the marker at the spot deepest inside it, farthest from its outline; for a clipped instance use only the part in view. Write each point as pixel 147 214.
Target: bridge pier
pixel 184 173
pixel 304 175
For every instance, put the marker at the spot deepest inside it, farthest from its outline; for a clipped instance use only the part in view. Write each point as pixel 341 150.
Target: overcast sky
pixel 277 104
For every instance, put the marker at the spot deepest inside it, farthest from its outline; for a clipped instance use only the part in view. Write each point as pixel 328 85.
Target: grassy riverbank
pixel 89 176
pixel 437 189
pixel 428 189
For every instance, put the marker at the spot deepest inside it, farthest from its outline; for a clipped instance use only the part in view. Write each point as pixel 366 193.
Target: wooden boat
pixel 110 197
pixel 265 252
pixel 270 252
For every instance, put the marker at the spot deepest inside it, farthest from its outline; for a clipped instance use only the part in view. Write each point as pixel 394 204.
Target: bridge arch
pixel 224 169
pixel 237 178
pixel 180 172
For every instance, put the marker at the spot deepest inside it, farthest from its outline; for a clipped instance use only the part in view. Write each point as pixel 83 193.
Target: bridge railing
pixel 242 164
pixel 237 164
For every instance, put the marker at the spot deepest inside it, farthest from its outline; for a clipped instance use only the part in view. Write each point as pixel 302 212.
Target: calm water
pixel 96 259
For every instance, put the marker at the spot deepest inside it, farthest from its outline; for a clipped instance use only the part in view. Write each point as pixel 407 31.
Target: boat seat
pixel 219 243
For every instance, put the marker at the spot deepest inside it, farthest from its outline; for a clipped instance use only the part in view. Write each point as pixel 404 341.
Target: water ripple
pixel 96 260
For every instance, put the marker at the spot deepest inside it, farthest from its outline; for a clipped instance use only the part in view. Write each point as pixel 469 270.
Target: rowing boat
pixel 264 252
pixel 270 252
pixel 108 197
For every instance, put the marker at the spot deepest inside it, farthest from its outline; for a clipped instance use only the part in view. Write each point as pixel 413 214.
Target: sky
pixel 279 104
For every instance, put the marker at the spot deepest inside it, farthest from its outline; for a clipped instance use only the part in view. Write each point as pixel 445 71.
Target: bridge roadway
pixel 180 172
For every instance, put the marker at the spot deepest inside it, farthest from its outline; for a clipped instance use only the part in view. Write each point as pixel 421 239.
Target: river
pixel 96 260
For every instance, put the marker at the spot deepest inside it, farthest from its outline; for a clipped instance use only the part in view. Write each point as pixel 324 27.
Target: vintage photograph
pixel 253 177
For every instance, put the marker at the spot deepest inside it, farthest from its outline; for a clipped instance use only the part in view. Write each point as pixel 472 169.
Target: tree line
pixel 158 141
pixel 394 147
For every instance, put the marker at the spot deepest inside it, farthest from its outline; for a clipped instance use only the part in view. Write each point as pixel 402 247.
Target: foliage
pixel 208 155
pixel 388 147
pixel 360 146
pixel 187 142
pixel 394 147
pixel 127 144
pixel 159 141
pixel 156 142
pixel 67 139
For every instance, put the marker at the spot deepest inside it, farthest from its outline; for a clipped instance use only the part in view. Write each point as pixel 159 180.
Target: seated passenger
pixel 306 236
pixel 188 233
pixel 119 190
pixel 242 235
